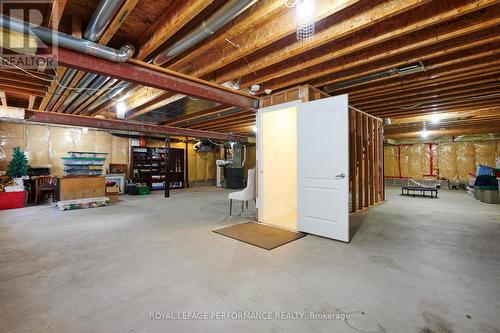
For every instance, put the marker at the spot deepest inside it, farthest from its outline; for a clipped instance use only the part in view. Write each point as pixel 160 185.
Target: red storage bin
pixel 9 200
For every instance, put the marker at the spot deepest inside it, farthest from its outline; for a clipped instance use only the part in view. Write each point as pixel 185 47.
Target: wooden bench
pixel 421 189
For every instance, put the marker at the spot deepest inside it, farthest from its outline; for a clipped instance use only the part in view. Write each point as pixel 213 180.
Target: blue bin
pixel 483 170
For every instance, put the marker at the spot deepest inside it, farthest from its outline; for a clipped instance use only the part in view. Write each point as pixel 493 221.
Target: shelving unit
pixel 148 166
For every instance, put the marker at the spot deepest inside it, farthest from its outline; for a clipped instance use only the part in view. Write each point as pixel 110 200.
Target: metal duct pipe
pixel 122 85
pixel 66 79
pixel 223 16
pixel 68 41
pixel 98 23
pixel 101 18
pixel 96 85
pixel 219 19
pixel 84 81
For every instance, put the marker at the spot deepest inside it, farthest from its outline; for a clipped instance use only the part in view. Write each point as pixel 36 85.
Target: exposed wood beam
pixel 445 116
pixel 104 89
pixel 76 31
pixel 160 100
pixel 189 118
pixel 327 46
pixel 422 28
pixel 251 19
pixel 246 115
pixel 244 130
pixel 234 124
pixel 433 100
pixel 117 21
pixel 465 86
pixel 449 130
pixel 13 70
pixel 110 31
pixel 168 24
pixel 72 84
pixel 440 105
pixel 56 13
pixel 22 90
pixel 31 102
pixel 429 112
pixel 426 79
pixel 445 125
pixel 171 22
pixel 394 54
pixel 153 76
pixel 111 124
pixel 105 107
pixel 458 59
pixel 3 98
pixel 443 108
pixel 15 77
pixel 265 35
pixel 52 88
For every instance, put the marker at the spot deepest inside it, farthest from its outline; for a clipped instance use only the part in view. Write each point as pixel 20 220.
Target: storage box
pixel 112 192
pixel 113 197
pixel 10 200
pixel 142 190
pixel 113 189
pixel 490 196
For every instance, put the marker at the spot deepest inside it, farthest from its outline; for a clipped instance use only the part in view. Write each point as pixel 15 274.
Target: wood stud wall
pixel 366 165
pixel 366 151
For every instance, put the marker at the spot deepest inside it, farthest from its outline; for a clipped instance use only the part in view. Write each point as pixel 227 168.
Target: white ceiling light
pixel 254 129
pixel 435 118
pixel 305 13
pixel 424 133
pixel 121 109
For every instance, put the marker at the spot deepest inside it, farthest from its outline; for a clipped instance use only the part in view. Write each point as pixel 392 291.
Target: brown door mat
pixel 261 235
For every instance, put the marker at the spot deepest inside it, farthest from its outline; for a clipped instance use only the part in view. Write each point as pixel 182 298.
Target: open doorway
pixel 279 167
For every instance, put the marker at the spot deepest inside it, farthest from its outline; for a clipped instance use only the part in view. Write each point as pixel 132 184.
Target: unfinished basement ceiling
pixel 358 48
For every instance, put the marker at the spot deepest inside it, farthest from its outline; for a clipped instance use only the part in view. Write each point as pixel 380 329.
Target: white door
pixel 323 166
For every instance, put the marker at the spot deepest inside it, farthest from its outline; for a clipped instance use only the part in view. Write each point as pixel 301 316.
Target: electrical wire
pixel 56 79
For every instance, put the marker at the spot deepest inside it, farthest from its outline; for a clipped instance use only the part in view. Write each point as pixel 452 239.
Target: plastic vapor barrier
pixel 44 145
pixel 466 162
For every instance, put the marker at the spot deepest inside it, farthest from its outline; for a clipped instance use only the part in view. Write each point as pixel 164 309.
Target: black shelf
pixel 148 166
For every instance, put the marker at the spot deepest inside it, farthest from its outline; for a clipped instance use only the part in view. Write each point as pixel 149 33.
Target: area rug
pixel 261 235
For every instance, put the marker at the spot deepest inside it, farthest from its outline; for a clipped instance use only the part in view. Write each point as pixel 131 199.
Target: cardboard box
pixel 113 189
pixel 113 197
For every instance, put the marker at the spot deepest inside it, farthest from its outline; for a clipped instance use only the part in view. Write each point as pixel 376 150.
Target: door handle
pixel 342 175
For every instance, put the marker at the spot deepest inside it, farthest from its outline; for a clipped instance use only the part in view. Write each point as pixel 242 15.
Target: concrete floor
pixel 414 265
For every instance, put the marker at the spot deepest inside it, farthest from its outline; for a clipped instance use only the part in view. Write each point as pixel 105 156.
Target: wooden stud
pixel 366 174
pixel 3 98
pixel 352 159
pixel 359 159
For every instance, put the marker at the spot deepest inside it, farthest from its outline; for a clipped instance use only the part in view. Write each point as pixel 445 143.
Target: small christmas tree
pixel 18 166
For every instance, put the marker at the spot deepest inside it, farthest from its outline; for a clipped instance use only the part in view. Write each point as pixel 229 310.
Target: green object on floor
pixel 142 190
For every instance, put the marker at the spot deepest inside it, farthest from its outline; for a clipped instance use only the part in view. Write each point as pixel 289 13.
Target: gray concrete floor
pixel 414 265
